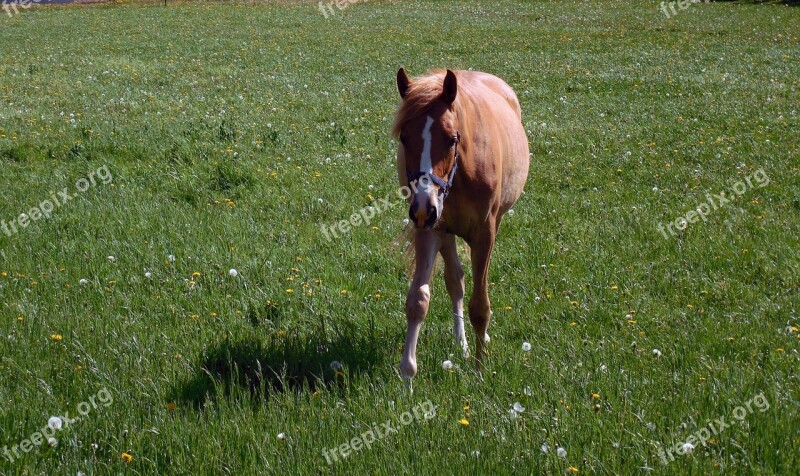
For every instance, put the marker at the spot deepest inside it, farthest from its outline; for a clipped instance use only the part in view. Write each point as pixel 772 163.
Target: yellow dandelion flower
pixel 170 407
pixel 572 470
pixel 463 422
pixel 595 396
pixel 344 292
pixel 574 303
pixel 290 291
pixel 4 274
pixel 573 324
pixel 213 314
pixel 340 374
pixel 20 318
pixel 614 287
pixel 779 350
pixel 196 274
pixel 466 408
pixel 377 295
pixel 127 457
pixel 56 337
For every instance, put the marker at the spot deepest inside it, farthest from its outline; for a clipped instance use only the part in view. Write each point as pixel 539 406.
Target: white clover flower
pixel 656 353
pixel 55 423
pixel 526 346
pixel 447 365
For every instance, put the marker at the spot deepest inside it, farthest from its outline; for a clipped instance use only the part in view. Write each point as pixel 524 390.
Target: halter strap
pixel 444 187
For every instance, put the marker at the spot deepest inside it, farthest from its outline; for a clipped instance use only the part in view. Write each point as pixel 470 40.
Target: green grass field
pixel 225 136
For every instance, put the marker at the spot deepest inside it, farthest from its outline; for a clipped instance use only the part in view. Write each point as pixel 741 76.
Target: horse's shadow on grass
pixel 279 363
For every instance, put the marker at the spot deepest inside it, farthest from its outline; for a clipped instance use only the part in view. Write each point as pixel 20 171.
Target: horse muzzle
pixel 424 215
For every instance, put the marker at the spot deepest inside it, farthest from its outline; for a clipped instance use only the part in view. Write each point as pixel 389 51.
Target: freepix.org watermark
pixel 55 424
pixel 713 428
pixel 759 178
pixel 327 9
pixel 56 199
pixel 8 6
pixel 378 431
pixel 366 214
pixel 669 7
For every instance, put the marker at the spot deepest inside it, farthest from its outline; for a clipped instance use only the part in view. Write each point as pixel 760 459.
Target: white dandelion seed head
pixel 518 407
pixel 171 258
pixel 447 365
pixel 656 353
pixel 528 391
pixel 526 346
pixel 510 213
pixel 561 452
pixel 112 259
pixel 52 441
pixel 233 273
pixel 281 436
pixel 537 299
pixel 83 282
pixel 405 221
pixel 687 448
pixel 148 275
pixel 545 448
pixel 55 423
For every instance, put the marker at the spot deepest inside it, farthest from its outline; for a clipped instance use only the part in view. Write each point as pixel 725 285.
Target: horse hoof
pixel 486 338
pixel 409 384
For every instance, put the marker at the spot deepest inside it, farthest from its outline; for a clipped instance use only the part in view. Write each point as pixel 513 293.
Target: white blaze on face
pixel 425 185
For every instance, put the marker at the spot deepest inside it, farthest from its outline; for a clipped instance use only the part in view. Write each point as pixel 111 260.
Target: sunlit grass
pixel 234 132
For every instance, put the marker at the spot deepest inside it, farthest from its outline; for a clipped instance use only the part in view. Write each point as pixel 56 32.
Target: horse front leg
pixel 454 280
pixel 426 246
pixel 480 312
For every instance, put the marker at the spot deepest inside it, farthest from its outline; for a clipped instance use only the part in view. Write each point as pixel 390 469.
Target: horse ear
pixel 450 88
pixel 403 82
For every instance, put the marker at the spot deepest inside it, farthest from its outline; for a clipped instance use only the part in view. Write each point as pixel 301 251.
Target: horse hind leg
pixel 480 312
pixel 454 280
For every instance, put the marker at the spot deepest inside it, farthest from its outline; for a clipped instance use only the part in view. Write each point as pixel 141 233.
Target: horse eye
pixel 453 141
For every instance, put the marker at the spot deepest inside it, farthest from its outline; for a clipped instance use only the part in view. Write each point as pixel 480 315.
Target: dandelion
pixel 447 365
pixel 127 457
pixel 290 291
pixel 112 259
pixel 510 213
pixel 656 353
pixel 196 274
pixel 148 275
pixel 516 409
pixel 779 350
pixel 595 396
pixel 572 470
pixel 83 282
pixel 545 448
pixel 687 448
pixel 282 436
pixel 561 452
pixel 614 287
pixel 526 346
pixel 52 441
pixel 56 337
pixel 463 422
pixel 171 258
pixel 55 423
pixel 170 407
pixel 233 273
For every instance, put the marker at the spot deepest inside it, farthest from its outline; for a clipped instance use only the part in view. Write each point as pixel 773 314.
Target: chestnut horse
pixel 464 155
